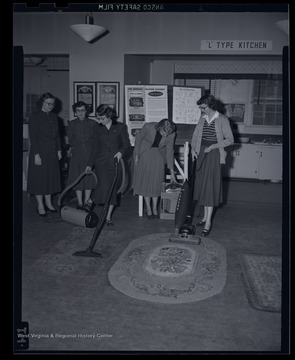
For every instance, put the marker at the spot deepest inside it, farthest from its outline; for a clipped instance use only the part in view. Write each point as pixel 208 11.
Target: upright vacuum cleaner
pixel 89 252
pixel 184 230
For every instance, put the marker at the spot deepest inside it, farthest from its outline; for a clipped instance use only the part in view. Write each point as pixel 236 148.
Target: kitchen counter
pixel 259 144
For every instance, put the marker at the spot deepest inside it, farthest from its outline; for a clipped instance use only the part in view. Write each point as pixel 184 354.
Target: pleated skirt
pixel 149 174
pixel 208 178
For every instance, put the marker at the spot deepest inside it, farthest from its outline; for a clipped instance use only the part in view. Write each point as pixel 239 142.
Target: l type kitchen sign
pixel 236 45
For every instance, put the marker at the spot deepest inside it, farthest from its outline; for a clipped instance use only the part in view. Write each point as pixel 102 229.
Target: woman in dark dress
pixel 154 147
pixel 111 141
pixel 81 135
pixel 211 135
pixel 45 152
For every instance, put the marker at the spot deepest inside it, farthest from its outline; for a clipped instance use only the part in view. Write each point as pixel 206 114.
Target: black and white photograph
pixel 151 197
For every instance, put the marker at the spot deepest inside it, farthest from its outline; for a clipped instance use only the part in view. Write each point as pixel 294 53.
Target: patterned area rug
pixel 61 262
pixel 153 269
pixel 262 280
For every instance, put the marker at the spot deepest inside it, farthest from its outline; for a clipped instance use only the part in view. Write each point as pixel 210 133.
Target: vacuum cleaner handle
pixel 105 209
pixel 73 184
pixel 122 187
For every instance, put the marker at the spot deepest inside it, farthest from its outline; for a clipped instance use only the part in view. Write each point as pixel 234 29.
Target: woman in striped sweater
pixel 211 135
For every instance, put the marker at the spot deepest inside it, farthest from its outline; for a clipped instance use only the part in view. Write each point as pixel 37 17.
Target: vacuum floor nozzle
pixel 186 239
pixel 87 253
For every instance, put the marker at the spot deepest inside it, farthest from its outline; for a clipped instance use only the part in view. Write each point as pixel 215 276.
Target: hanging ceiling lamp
pixel 283 25
pixel 88 31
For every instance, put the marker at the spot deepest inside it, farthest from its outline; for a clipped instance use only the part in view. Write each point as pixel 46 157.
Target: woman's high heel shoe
pixel 89 206
pixel 109 223
pixel 149 216
pixel 206 232
pixel 50 210
pixel 42 215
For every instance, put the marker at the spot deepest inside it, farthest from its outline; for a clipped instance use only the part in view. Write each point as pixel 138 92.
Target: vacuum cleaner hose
pixel 73 184
pixel 120 190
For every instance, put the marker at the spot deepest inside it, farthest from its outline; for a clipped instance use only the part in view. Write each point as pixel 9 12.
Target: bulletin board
pixel 146 103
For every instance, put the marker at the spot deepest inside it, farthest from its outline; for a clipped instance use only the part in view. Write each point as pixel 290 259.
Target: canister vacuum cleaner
pixel 89 251
pixel 76 216
pixel 90 219
pixel 81 217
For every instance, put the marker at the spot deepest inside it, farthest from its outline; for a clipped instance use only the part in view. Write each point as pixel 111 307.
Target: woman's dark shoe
pixel 42 215
pixel 52 211
pixel 206 232
pixel 155 216
pixel 149 216
pixel 89 206
pixel 80 207
pixel 109 223
pixel 201 223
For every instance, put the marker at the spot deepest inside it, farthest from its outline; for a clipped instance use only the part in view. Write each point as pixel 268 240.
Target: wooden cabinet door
pixel 270 163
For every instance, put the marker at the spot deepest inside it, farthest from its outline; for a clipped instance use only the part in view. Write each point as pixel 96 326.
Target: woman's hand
pixel 208 149
pixel 194 155
pixel 38 160
pixel 118 156
pixel 59 154
pixel 88 169
pixel 69 153
pixel 172 177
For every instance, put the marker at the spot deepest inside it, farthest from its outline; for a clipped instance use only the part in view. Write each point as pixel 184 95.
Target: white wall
pixel 139 33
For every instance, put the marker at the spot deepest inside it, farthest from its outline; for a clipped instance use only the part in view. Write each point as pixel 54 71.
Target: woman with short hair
pixel 81 136
pixel 111 142
pixel 45 152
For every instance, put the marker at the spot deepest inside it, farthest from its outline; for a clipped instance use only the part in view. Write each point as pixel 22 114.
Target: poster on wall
pixel 235 112
pixel 108 93
pixel 135 109
pixel 185 108
pixel 156 102
pixel 85 91
pixel 144 104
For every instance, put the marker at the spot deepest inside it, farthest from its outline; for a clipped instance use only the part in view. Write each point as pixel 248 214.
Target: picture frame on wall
pixel 86 91
pixel 108 93
pixel 235 112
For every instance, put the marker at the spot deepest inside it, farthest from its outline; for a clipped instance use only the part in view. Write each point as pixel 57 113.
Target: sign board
pixel 144 103
pixel 236 45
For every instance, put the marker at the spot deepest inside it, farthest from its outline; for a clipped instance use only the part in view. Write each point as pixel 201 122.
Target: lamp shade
pixel 88 32
pixel 283 25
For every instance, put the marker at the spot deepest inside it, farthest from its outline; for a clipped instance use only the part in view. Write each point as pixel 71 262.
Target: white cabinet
pixel 250 161
pixel 270 163
pixel 242 161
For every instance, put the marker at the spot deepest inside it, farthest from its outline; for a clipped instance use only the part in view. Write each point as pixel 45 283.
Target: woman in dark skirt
pixel 81 135
pixel 211 135
pixel 111 141
pixel 154 147
pixel 45 153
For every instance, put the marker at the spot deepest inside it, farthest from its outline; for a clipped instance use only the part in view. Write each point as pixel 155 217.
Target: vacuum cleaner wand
pixel 89 252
